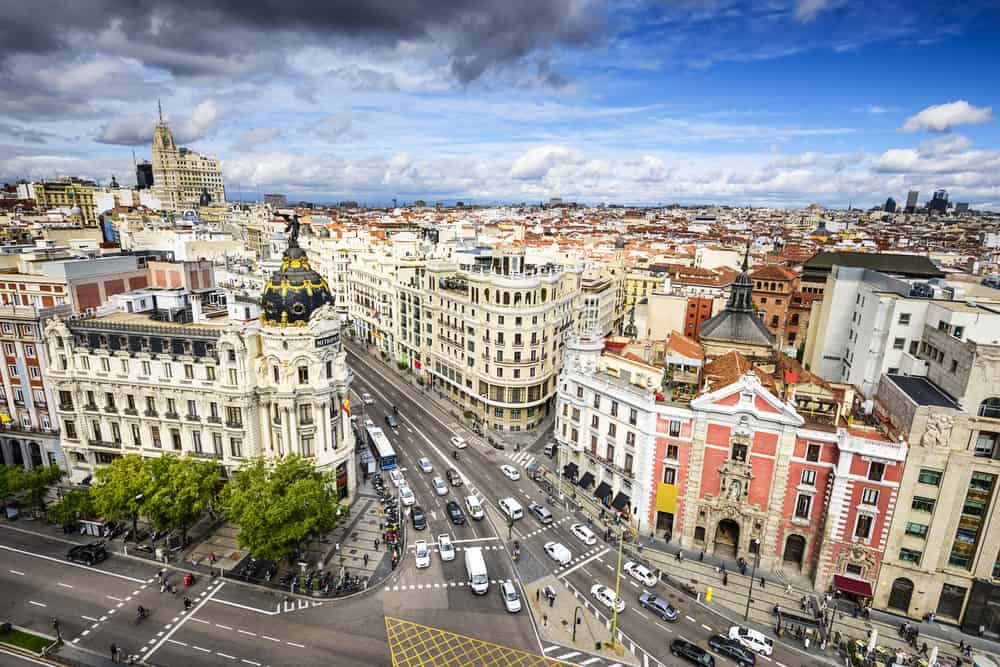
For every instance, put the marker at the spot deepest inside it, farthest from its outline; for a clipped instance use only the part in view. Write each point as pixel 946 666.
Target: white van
pixel 752 639
pixel 475 508
pixel 511 508
pixel 475 568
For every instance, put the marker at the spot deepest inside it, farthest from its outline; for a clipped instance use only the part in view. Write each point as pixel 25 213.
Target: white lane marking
pixel 779 664
pixel 198 648
pixel 17 572
pixel 198 620
pixel 567 656
pixel 475 539
pixel 24 658
pixel 691 618
pixel 244 632
pixel 295 645
pixel 112 597
pixel 706 627
pixel 88 618
pixel 37 604
pixel 660 625
pixel 224 627
pixel 63 562
pixel 582 563
pixel 185 619
pixel 640 613
pixel 270 638
pixel 174 641
pixel 243 606
pixel 587 662
pixel 59 583
pixel 550 648
pixel 251 662
pixel 765 657
pixel 225 655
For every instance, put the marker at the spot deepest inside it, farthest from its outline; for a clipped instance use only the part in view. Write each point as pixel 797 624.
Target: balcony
pixel 150 413
pixel 110 408
pixel 192 418
pixel 206 455
pixel 131 411
pixel 234 424
pixel 306 422
pixel 105 444
pixel 67 407
pixel 91 407
pixel 171 415
pixel 213 419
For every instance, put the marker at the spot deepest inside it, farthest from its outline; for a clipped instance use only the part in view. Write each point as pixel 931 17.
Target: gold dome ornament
pixel 295 290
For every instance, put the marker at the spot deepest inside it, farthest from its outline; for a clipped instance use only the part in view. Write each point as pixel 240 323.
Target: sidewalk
pixel 704 571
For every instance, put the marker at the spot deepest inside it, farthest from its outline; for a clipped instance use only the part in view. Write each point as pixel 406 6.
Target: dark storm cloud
pixel 190 38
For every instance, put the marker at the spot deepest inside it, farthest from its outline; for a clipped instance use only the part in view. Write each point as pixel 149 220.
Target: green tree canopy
pixel 35 482
pixel 279 503
pixel 75 505
pixel 180 491
pixel 120 492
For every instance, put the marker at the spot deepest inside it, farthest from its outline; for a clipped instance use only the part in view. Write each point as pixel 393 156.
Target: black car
pixel 88 554
pixel 453 477
pixel 392 421
pixel 731 648
pixel 658 606
pixel 543 515
pixel 682 648
pixel 418 517
pixel 455 513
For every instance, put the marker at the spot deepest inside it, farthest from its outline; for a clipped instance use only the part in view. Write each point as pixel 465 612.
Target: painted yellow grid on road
pixel 415 645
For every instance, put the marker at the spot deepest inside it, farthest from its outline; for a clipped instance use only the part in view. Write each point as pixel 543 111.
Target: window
pixel 672 452
pixel 597 401
pixel 579 392
pixel 217 444
pixel 498 413
pixel 167 370
pixel 192 409
pixel 739 452
pixel 105 364
pixel 303 375
pixel 232 376
pixel 910 556
pixel 305 414
pixel 809 477
pixel 630 438
pixel 670 475
pixel 307 445
pixel 171 406
pixel 958 332
pixel 611 453
pixel 95 427
pixel 614 408
pixel 916 529
pixel 236 447
pixel 210 373
pixel 986 444
pixel 595 422
pixel 628 463
pixel 931 477
pixel 12 370
pixel 146 369
pixel 863 528
pixel 633 416
pixel 136 435
pixel 803 505
pixel 155 432
pixel 213 410
pixel 904 319
pixel 869 496
pixel 189 371
pixel 876 471
pixel 612 430
pixel 234 416
pixel 8 349
pixel 898 343
pixel 175 439
pixel 674 428
pixel 70 428
pixel 812 452
pixel 922 504
pixel 196 441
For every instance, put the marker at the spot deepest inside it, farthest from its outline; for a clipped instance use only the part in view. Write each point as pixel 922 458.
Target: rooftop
pixel 922 391
pixel 911 266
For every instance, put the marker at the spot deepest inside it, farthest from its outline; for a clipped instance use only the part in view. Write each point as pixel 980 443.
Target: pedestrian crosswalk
pixel 576 657
pixel 521 458
pixel 436 584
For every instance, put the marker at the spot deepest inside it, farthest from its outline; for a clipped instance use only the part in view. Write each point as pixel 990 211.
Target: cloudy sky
pixel 782 102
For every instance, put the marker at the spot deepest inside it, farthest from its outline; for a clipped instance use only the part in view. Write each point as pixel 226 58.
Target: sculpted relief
pixel 938 431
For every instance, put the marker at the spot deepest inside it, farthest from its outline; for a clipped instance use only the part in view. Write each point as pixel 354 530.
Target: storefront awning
pixel 570 471
pixel 602 491
pixel 620 502
pixel 852 586
pixel 586 480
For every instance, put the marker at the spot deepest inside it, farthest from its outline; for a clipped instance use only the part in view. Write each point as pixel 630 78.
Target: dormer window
pixel 746 397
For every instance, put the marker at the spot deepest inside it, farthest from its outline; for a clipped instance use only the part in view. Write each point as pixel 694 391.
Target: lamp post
pixel 618 581
pixel 576 621
pixel 753 575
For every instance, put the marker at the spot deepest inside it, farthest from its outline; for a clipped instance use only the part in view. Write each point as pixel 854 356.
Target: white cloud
pixel 946 145
pixel 537 162
pixel 943 117
pixel 137 130
pixel 807 10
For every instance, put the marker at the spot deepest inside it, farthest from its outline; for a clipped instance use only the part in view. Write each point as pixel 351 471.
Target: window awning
pixel 586 480
pixel 852 586
pixel 570 471
pixel 620 502
pixel 602 491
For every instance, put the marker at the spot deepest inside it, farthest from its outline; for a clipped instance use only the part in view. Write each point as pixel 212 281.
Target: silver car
pixel 511 600
pixel 440 487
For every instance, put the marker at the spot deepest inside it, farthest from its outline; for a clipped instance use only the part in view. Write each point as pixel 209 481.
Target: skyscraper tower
pixel 180 176
pixel 911 201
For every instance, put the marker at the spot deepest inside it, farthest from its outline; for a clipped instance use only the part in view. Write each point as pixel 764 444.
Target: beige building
pixel 183 179
pixel 72 193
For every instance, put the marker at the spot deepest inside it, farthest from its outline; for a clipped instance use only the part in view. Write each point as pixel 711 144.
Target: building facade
pixel 183 179
pixel 72 193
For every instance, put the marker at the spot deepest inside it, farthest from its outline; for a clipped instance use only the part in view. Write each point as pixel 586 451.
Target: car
pixel 752 639
pixel 454 478
pixel 392 421
pixel 682 648
pixel 397 478
pixel 445 547
pixel 733 650
pixel 543 515
pixel 640 573
pixel 558 553
pixel 425 464
pixel 367 399
pixel 510 472
pixel 584 534
pixel 455 513
pixel 511 600
pixel 658 606
pixel 418 517
pixel 475 508
pixel 458 442
pixel 440 487
pixel 87 554
pixel 606 596
pixel 423 554
pixel 406 496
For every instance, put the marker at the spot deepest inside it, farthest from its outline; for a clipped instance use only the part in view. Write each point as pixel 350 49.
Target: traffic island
pixel 25 641
pixel 567 618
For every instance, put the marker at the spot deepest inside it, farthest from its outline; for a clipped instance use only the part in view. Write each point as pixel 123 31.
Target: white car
pixel 367 399
pixel 440 487
pixel 425 464
pixel 752 639
pixel 510 472
pixel 558 553
pixel 606 596
pixel 584 534
pixel 397 478
pixel 459 442
pixel 511 600
pixel 423 554
pixel 474 508
pixel 640 573
pixel 446 548
pixel 406 496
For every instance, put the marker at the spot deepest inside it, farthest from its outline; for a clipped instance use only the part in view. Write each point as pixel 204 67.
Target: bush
pixel 468 414
pixel 402 365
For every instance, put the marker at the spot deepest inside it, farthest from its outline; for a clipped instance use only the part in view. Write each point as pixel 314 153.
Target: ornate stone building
pixel 183 179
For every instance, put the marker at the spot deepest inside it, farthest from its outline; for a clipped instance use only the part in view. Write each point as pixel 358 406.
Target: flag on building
pixel 346 406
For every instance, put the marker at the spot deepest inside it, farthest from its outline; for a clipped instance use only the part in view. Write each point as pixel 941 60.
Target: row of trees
pixel 277 504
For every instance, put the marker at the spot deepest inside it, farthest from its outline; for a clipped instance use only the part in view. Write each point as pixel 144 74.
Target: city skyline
pixel 781 103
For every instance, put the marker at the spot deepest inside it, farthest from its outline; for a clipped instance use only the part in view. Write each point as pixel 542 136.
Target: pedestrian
pixel 114 652
pixel 212 558
pixel 923 649
pixel 173 589
pixel 538 595
pixel 366 560
pixel 336 547
pixel 701 557
pixel 376 544
pixel 788 589
pixel 163 585
pixel 762 582
pixel 725 579
pixel 118 653
pixel 187 603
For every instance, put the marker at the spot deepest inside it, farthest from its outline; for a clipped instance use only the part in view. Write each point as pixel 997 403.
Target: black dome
pixel 294 291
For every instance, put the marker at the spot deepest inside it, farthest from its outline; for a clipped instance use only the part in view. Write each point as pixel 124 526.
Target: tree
pixel 121 488
pixel 75 505
pixel 180 491
pixel 5 475
pixel 278 503
pixel 35 482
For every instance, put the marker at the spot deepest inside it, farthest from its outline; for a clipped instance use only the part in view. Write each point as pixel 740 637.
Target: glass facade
pixel 970 523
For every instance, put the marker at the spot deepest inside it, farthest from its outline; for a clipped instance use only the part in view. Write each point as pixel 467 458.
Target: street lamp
pixel 618 581
pixel 576 621
pixel 753 575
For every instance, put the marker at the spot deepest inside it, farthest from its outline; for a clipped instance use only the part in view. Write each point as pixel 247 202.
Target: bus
pixel 384 455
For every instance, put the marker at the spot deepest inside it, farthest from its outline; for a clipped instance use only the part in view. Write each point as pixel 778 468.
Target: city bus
pixel 385 456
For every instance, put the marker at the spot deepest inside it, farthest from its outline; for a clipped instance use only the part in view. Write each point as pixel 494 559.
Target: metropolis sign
pixel 332 339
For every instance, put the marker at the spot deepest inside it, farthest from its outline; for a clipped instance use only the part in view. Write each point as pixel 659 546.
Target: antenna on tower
pixel 134 165
pixel 159 107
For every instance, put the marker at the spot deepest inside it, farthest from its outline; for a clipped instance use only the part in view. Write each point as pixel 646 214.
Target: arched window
pixel 517 298
pixel 545 294
pixel 795 319
pixel 901 593
pixel 506 298
pixel 990 408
